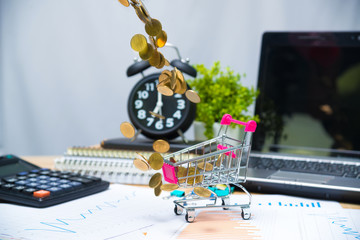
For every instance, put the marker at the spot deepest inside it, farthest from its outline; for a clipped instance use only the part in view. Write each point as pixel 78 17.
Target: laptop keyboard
pixel 325 168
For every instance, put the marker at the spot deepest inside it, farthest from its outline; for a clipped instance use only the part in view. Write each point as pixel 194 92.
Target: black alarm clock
pixel 153 114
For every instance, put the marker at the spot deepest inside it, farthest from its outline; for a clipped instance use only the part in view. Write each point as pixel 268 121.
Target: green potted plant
pixel 221 92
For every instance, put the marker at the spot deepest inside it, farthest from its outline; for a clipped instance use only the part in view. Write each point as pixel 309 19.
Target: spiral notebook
pixel 112 165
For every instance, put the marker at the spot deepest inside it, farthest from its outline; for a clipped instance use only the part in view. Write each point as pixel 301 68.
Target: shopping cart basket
pixel 221 160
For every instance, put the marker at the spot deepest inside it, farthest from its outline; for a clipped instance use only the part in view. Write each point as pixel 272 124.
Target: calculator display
pixel 13 168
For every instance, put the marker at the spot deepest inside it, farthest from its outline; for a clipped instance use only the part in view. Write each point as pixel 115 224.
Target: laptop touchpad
pixel 301 177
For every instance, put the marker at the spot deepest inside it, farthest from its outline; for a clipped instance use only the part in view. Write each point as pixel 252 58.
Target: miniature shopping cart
pixel 226 161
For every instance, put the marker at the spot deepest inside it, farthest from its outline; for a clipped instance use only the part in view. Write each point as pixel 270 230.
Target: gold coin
pixel 158 190
pixel 156 161
pixel 157 115
pixel 181 84
pixel 205 166
pixel 146 54
pixel 141 164
pixel 162 62
pixel 181 172
pixel 167 62
pixel 161 146
pixel 153 28
pixel 202 192
pixel 142 156
pixel 141 12
pixel 165 75
pixel 164 89
pixel 161 39
pixel 127 129
pixel 192 180
pixel 221 186
pixel 192 96
pixel 155 180
pixel 124 2
pixel 169 187
pixel 155 58
pixel 173 79
pixel 219 160
pixel 138 42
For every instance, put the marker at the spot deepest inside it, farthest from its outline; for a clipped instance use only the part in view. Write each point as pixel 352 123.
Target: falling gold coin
pixel 161 39
pixel 138 42
pixel 205 166
pixel 169 187
pixel 157 115
pixel 202 192
pixel 167 62
pixel 141 164
pixel 153 28
pixel 221 186
pixel 155 58
pixel 155 180
pixel 165 75
pixel 125 2
pixel 158 190
pixel 127 129
pixel 142 156
pixel 219 160
pixel 192 96
pixel 156 161
pixel 147 52
pixel 164 89
pixel 141 12
pixel 162 62
pixel 161 146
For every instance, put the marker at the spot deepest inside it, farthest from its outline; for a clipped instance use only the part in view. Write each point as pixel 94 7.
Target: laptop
pixel 308 139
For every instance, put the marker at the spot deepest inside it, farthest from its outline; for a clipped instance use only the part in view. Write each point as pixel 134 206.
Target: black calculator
pixel 27 184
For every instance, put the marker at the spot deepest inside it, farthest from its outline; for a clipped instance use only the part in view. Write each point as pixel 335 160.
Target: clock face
pixel 178 111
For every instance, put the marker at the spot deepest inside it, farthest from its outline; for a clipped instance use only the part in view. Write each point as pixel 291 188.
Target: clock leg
pixel 136 135
pixel 181 134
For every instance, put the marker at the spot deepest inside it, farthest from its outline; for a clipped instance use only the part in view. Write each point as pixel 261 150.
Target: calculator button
pixel 22 173
pixel 10 180
pixel 35 171
pixel 21 182
pixel 65 186
pixel 44 169
pixel 65 176
pixel 75 184
pixel 82 180
pixel 22 177
pixel 43 181
pixel 55 189
pixel 54 184
pixel 43 177
pixel 41 193
pixel 29 191
pixel 32 184
pixel 64 181
pixel 18 188
pixel 43 186
pixel 53 179
pixel 32 179
pixel 44 172
pixel 54 174
pixel 32 175
pixel 7 186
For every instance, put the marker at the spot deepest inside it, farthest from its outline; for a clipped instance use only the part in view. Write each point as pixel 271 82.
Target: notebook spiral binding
pixel 111 165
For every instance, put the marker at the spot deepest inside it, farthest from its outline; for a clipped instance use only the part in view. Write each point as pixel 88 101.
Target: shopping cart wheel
pixel 225 201
pixel 178 210
pixel 190 216
pixel 245 213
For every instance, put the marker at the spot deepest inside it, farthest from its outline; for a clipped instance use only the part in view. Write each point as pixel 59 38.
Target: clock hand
pixel 158 105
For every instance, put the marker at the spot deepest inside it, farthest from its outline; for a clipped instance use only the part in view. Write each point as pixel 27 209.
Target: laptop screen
pixel 309 101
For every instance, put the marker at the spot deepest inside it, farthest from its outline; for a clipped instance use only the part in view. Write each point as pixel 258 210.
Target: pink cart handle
pixel 250 126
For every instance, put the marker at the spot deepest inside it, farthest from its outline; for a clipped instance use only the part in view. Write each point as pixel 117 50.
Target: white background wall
pixel 63 63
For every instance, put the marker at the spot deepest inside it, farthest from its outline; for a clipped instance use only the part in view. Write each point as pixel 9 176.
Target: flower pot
pixel 199 129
